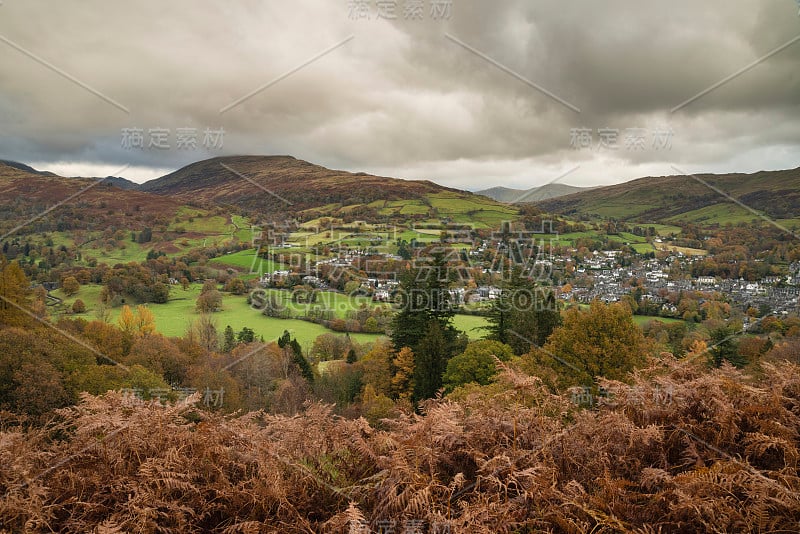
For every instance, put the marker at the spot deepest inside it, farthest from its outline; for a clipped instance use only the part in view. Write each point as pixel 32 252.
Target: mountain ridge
pixel 534 194
pixel 691 198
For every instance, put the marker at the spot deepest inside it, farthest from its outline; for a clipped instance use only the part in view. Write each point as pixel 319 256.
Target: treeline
pixel 424 355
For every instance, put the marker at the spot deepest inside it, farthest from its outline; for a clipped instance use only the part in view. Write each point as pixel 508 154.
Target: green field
pixel 642 320
pixel 722 214
pixel 175 317
pixel 247 261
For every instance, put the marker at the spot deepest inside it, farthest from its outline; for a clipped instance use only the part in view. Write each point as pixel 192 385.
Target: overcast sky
pixel 469 94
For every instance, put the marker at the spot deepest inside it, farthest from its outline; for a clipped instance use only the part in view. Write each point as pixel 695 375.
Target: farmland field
pixel 175 317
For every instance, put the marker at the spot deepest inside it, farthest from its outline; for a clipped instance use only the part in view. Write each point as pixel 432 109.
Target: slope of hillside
pixel 281 182
pixel 44 201
pixel 705 198
pixel 535 194
pixel 22 167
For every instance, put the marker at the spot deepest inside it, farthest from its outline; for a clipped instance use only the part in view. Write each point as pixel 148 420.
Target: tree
pixel 723 347
pixel 209 301
pixel 476 364
pixel 203 332
pixel 430 365
pixel 293 348
pixel 145 320
pixel 376 366
pixel 236 286
pixel 424 323
pixel 602 341
pixel 403 379
pixel 78 306
pixel 246 335
pixel 229 339
pixel 14 294
pixel 127 321
pixel 329 347
pixel 70 286
pixel 523 315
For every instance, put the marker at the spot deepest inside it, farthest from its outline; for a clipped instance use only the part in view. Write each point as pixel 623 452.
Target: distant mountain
pixel 703 198
pixel 535 194
pixel 281 183
pixel 28 196
pixel 23 167
pixel 122 183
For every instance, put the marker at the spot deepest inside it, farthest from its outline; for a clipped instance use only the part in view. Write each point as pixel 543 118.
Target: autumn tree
pixel 142 321
pixel 235 286
pixel 402 383
pixel 203 332
pixel 14 294
pixel 602 341
pixel 70 286
pixel 209 301
pixel 78 306
pixel 145 320
pixel 476 364
pixel 376 366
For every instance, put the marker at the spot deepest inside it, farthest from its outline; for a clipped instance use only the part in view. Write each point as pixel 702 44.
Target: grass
pixel 664 230
pixel 642 320
pixel 174 318
pixel 132 252
pixel 471 324
pixel 246 260
pixel 685 250
pixel 721 214
pixel 643 248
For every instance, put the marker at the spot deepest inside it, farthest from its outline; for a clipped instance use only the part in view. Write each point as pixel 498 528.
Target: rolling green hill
pixel 705 198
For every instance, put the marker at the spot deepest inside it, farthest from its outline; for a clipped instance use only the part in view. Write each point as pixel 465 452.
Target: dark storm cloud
pixel 403 97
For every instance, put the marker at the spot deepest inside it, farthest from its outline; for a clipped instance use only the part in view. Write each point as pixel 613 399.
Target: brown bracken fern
pixel 678 449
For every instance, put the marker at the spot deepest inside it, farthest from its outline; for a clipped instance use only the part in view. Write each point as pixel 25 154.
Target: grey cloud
pixel 400 98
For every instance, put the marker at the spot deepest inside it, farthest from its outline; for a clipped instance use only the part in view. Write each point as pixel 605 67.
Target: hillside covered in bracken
pixel 679 449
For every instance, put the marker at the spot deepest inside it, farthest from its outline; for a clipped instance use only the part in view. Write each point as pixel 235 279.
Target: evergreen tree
pixel 229 340
pixel 725 348
pixel 523 315
pixel 287 343
pixel 247 335
pixel 425 302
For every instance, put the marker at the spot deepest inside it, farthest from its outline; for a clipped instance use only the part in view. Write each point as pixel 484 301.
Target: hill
pixel 281 182
pixel 535 194
pixel 283 186
pixel 703 199
pixel 22 167
pixel 122 183
pixel 71 210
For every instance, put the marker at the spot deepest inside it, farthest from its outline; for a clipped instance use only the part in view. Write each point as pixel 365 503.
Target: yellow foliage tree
pixel 141 322
pixel 14 294
pixel 145 320
pixel 603 341
pixel 127 321
pixel 403 379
